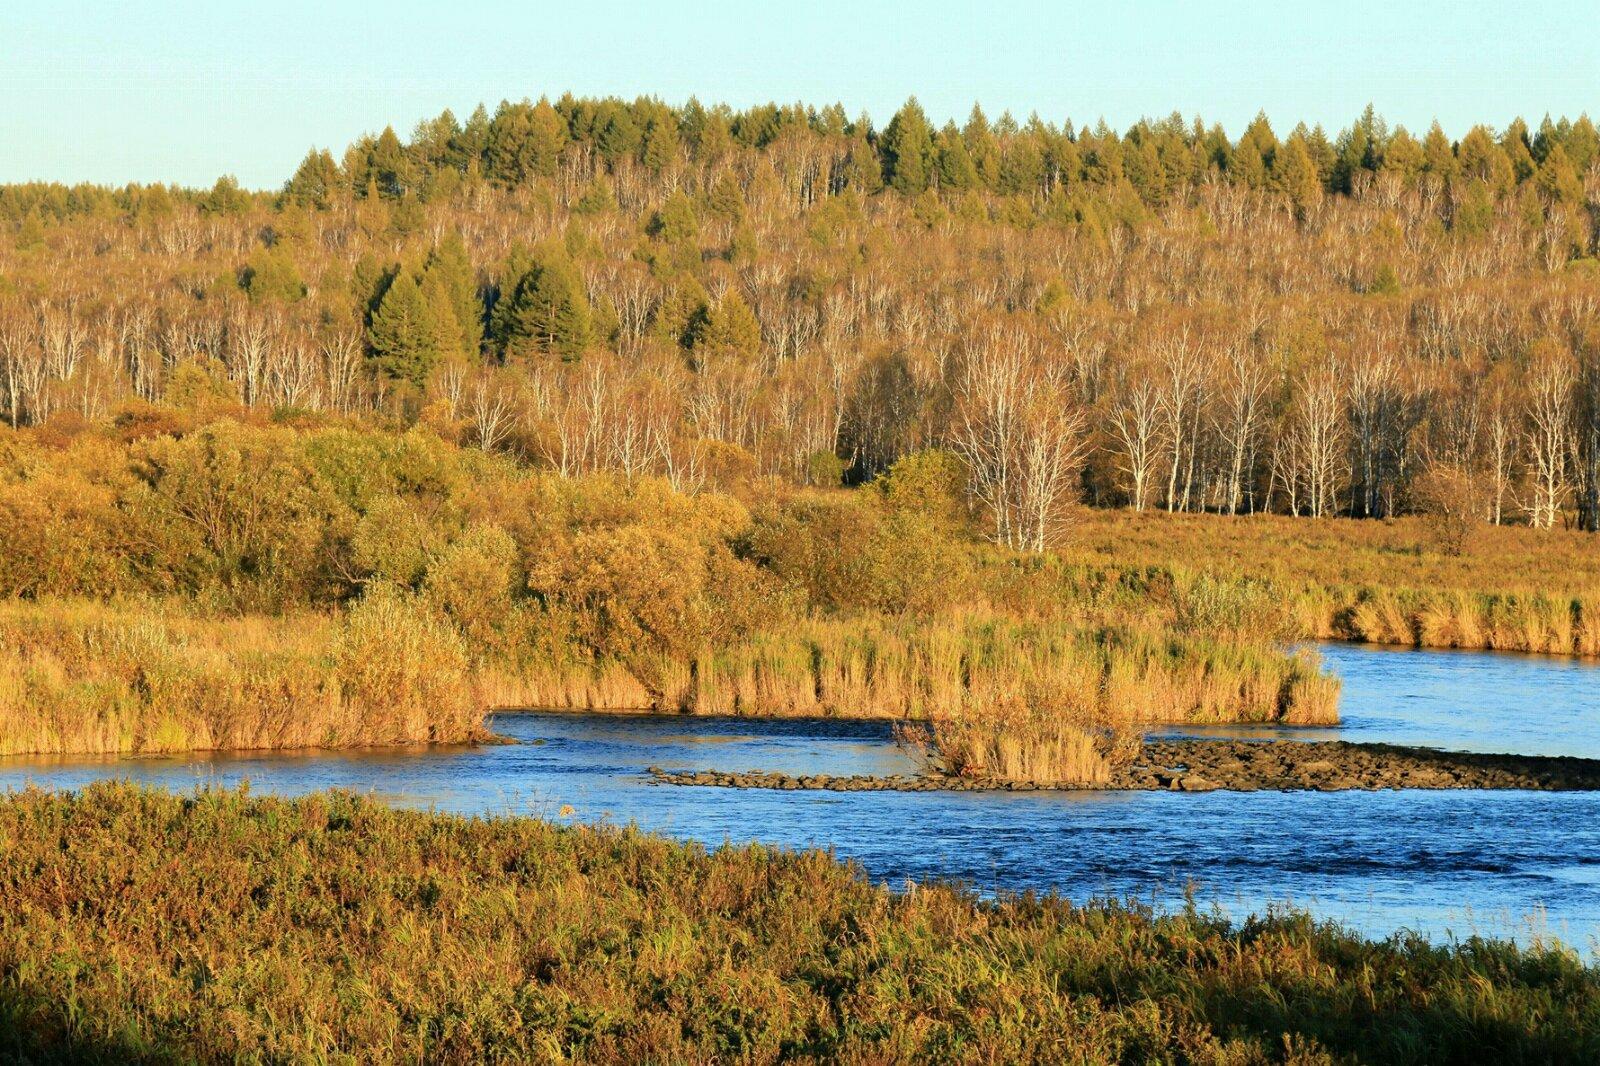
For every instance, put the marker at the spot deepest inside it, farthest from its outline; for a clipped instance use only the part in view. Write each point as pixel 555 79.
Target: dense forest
pixel 1367 323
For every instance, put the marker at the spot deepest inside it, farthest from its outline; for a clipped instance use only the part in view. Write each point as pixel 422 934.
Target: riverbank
pixel 1232 765
pixel 143 926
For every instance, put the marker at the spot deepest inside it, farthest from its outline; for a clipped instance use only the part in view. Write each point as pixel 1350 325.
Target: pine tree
pixel 862 171
pixel 1438 157
pixel 448 262
pixel 1557 179
pixel 730 328
pixel 388 166
pixel 617 134
pixel 314 182
pixel 1021 167
pixel 726 200
pixel 676 222
pixel 467 148
pixel 549 311
pixel 1481 158
pixel 1296 175
pixel 1403 155
pixel 271 277
pixel 1142 164
pixel 225 198
pixel 403 334
pixel 956 169
pixel 981 146
pixel 1582 144
pixel 908 161
pixel 547 136
pixel 660 143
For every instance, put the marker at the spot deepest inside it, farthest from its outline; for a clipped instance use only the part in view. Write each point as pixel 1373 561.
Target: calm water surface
pixel 1443 863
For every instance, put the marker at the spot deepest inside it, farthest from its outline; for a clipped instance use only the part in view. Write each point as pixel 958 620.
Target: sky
pixel 178 91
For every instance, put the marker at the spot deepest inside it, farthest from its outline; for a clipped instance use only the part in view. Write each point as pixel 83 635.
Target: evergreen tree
pixel 1515 144
pixel 726 200
pixel 272 277
pixel 1438 157
pixel 314 181
pixel 1323 155
pixel 1295 174
pixel 1582 144
pixel 616 133
pixel 676 222
pixel 388 166
pixel 467 149
pixel 549 311
pixel 1254 154
pixel 1021 166
pixel 908 161
pixel 862 171
pixel 956 170
pixel 660 143
pixel 1557 179
pixel 730 328
pixel 225 198
pixel 1484 160
pixel 981 146
pixel 1142 165
pixel 547 137
pixel 404 332
pixel 1403 155
pixel 450 265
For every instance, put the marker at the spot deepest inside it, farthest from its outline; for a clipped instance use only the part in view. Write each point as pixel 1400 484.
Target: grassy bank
pixel 145 927
pixel 1390 582
pixel 82 677
pixel 895 667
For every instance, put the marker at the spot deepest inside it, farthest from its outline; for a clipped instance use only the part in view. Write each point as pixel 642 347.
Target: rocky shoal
pixel 1234 765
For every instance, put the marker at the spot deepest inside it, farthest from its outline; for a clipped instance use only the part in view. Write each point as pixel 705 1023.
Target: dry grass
pixel 1516 589
pixel 79 677
pixel 885 667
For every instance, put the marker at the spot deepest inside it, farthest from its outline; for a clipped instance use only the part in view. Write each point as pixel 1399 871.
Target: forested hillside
pixel 1365 322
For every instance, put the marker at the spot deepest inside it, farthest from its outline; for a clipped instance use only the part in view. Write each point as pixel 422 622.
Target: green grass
pixel 141 926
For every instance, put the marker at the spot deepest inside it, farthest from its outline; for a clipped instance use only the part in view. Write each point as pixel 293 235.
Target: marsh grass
pixel 892 667
pixel 220 926
pixel 1516 589
pixel 83 677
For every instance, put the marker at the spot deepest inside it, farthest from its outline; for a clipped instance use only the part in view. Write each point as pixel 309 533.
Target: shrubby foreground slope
pixel 146 927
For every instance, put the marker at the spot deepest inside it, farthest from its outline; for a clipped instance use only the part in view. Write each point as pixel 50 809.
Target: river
pixel 1445 864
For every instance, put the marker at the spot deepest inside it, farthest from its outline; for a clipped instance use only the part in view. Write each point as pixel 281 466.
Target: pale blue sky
pixel 184 91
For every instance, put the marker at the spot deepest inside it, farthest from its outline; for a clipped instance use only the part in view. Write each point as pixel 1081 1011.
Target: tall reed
pixel 80 677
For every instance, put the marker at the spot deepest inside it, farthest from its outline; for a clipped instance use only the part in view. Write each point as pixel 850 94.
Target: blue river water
pixel 1446 864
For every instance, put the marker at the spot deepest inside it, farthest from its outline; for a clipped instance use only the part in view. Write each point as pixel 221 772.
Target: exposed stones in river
pixel 1234 765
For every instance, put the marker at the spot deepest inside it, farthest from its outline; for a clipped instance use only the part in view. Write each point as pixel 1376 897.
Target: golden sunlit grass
pixel 1512 589
pixel 82 677
pixel 140 926
pixel 886 667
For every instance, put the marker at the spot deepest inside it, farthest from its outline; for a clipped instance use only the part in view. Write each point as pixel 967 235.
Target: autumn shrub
pixel 233 513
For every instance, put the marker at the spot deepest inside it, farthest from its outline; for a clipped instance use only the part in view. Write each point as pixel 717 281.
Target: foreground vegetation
pixel 146 927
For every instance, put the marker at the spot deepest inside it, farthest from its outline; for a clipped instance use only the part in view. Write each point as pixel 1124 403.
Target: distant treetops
pixel 523 143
